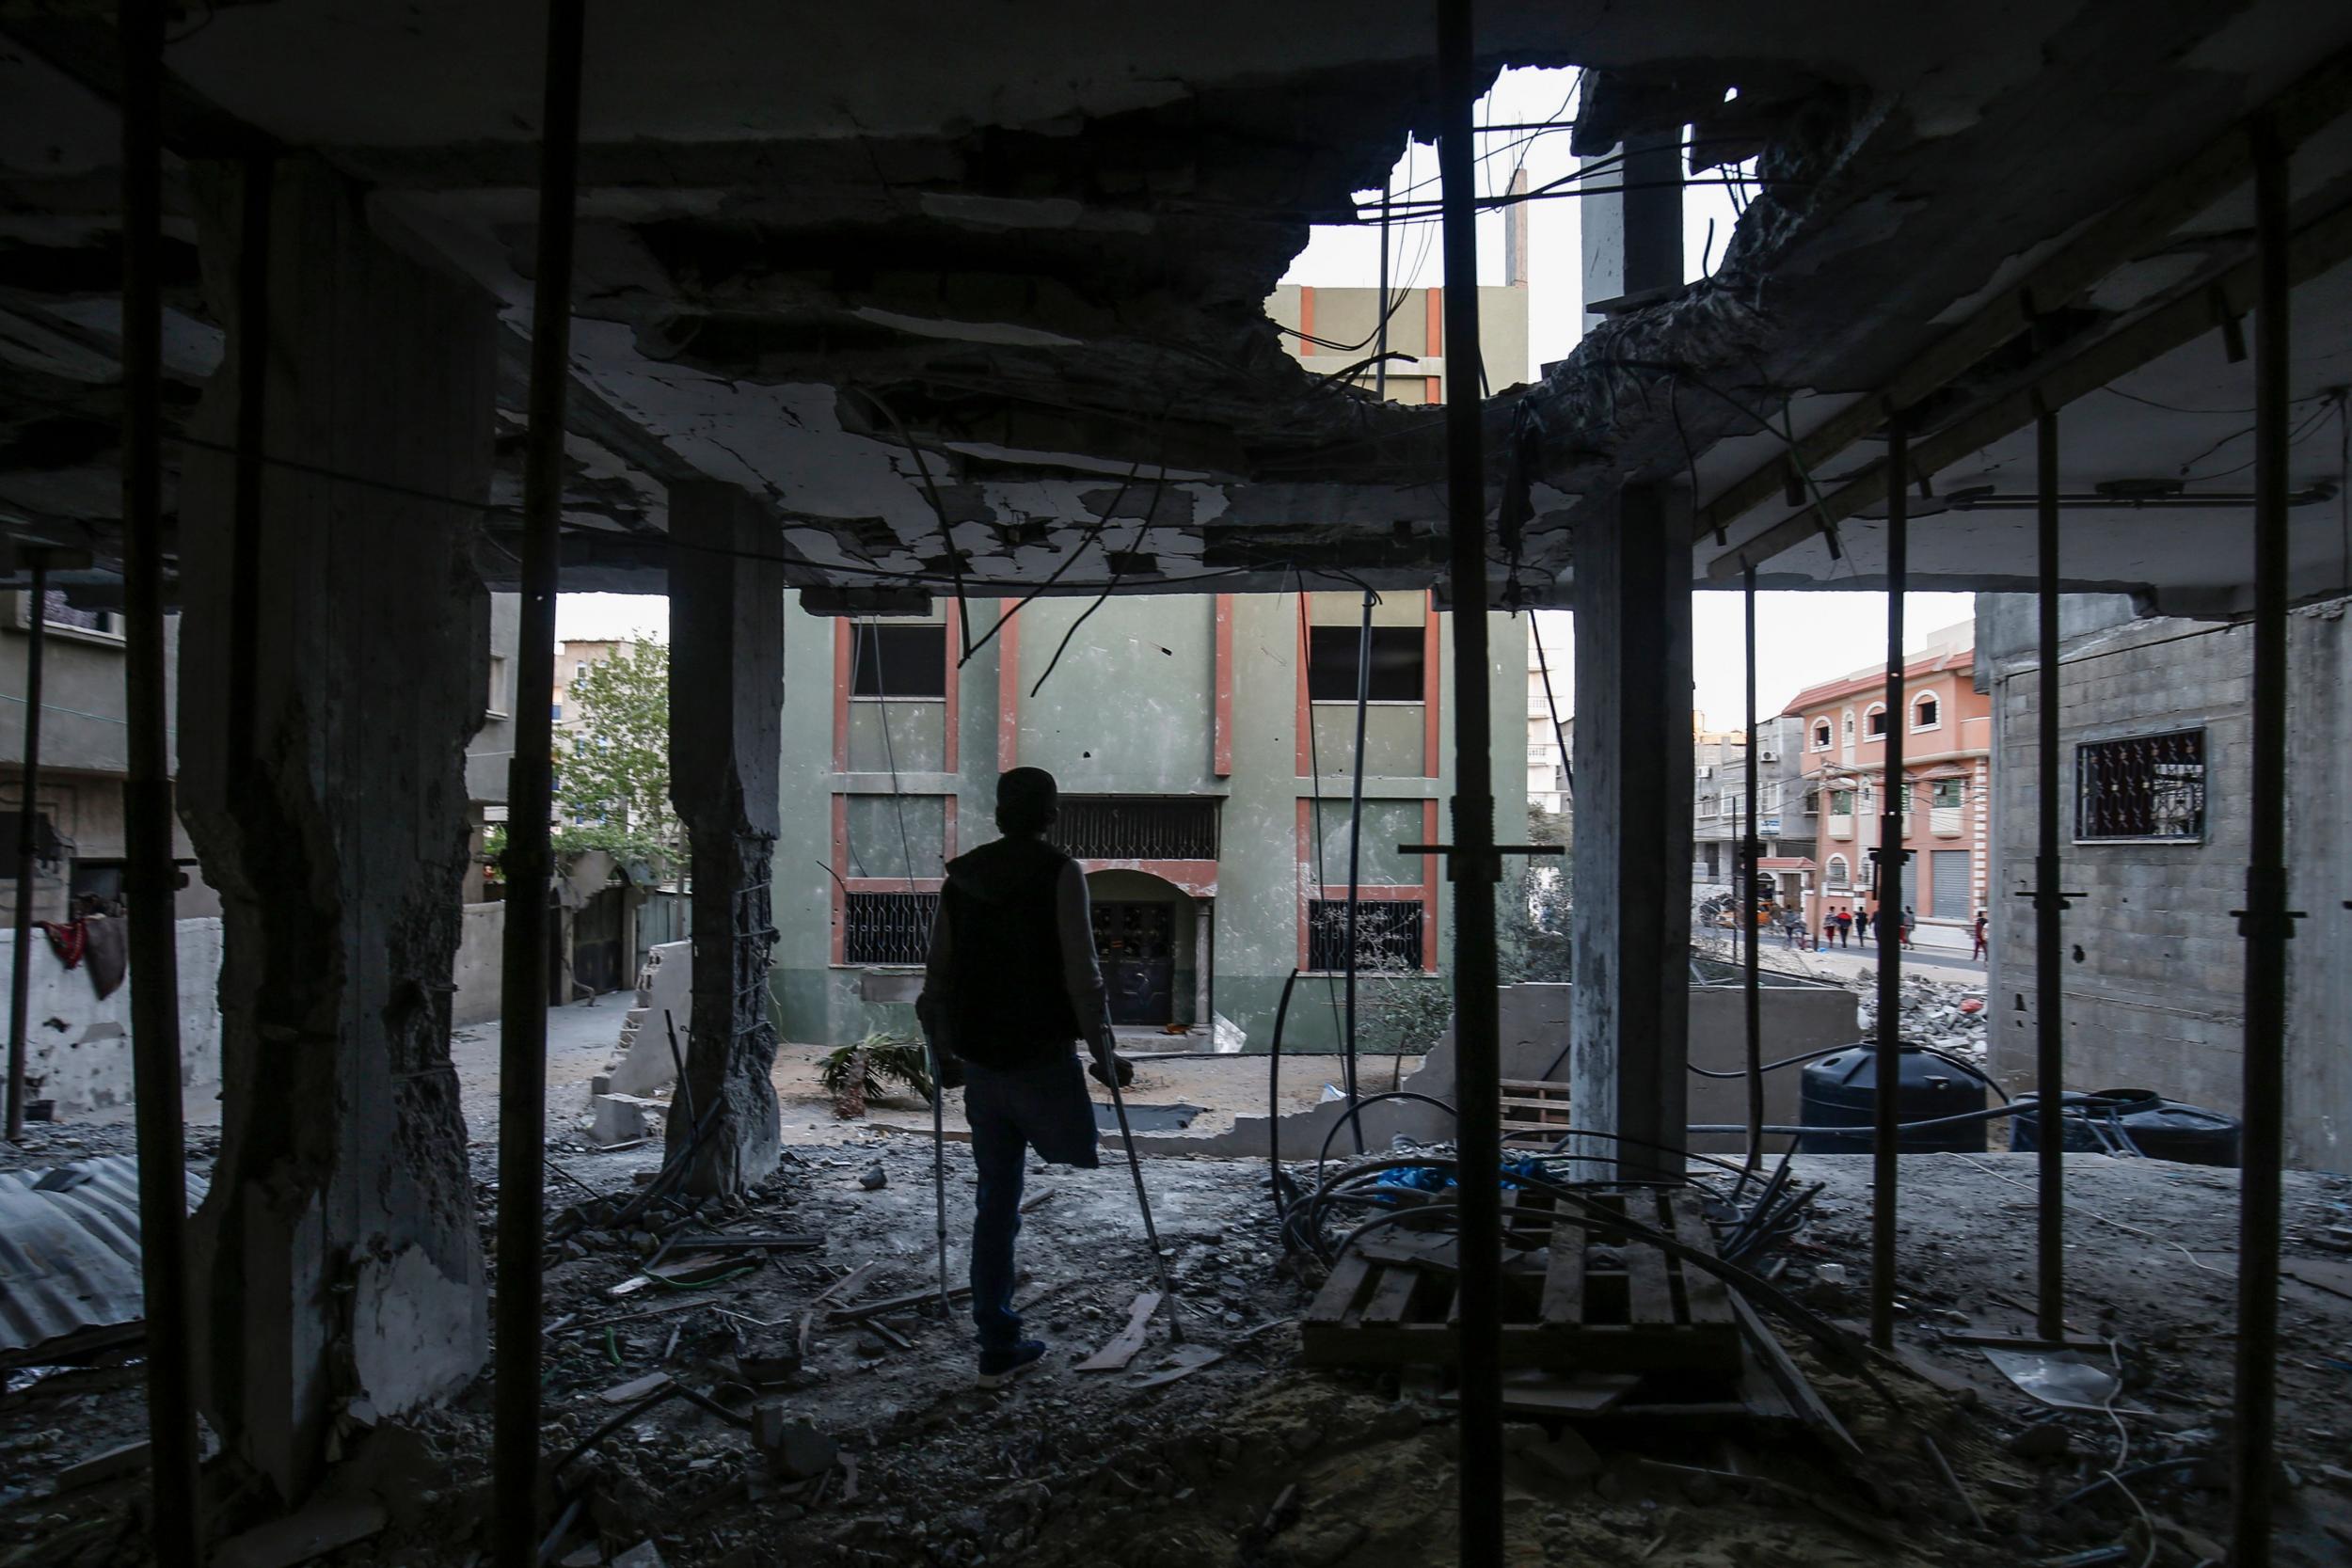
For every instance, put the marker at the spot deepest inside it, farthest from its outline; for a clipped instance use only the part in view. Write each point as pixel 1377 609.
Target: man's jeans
pixel 1045 1107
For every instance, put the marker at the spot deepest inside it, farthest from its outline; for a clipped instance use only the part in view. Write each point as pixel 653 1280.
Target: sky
pixel 1801 638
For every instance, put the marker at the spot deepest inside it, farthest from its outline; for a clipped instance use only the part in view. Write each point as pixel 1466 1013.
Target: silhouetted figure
pixel 1011 986
pixel 1861 926
pixel 1911 924
pixel 1981 948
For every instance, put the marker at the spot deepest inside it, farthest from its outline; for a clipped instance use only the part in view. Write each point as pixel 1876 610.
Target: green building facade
pixel 1189 733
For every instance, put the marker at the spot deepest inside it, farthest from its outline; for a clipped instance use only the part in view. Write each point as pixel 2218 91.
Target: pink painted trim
pixel 1197 878
pixel 1009 693
pixel 1223 761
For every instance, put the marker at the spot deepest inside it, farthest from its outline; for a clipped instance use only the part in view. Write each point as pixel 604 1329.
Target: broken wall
pixel 77 1045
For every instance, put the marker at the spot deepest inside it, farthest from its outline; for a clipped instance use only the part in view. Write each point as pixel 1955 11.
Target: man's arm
pixel 1074 923
pixel 930 1005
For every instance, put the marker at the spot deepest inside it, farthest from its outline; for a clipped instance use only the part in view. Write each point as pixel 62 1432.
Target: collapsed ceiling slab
pixel 977 299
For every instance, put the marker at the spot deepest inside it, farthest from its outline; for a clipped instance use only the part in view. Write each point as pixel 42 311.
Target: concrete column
pixel 1631 1020
pixel 1632 238
pixel 336 1258
pixel 1201 939
pixel 726 724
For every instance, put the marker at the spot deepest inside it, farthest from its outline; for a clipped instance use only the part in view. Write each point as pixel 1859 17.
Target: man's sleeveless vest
pixel 1010 1003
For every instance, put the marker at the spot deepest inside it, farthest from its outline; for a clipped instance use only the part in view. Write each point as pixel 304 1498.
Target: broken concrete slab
pixel 314 1532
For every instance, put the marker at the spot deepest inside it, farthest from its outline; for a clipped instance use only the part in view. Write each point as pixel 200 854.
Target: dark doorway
pixel 597 942
pixel 1135 945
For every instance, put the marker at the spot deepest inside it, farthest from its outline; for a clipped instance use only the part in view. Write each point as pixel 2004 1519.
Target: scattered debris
pixel 1115 1355
pixel 875 1179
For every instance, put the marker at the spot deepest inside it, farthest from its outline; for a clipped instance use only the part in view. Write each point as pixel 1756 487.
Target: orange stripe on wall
pixel 1223 747
pixel 1306 318
pixel 1008 690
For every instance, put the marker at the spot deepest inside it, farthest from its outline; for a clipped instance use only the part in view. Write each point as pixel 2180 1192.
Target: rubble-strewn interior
pixel 951 379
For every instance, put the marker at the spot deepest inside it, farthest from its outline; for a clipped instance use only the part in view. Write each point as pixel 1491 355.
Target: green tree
pixel 614 774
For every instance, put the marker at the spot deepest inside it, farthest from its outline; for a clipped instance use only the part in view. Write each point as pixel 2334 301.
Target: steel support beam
pixel 1887 1102
pixel 1356 840
pixel 1476 867
pixel 150 876
pixel 523 1034
pixel 1751 850
pixel 2049 1044
pixel 27 818
pixel 2266 922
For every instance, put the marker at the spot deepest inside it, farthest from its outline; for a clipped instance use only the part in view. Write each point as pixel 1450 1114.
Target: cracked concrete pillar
pixel 336 1258
pixel 1631 225
pixel 1630 1017
pixel 727 724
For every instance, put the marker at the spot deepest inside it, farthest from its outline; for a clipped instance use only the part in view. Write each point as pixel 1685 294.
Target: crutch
pixel 939 1167
pixel 1150 1232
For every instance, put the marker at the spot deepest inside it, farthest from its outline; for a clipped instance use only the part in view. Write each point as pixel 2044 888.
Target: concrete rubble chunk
pixel 643 1555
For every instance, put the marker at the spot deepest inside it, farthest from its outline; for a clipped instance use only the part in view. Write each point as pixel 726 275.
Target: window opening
pixel 1926 713
pixel 1387 934
pixel 1838 872
pixel 888 928
pixel 1139 828
pixel 1874 724
pixel 1397 670
pixel 899 661
pixel 2144 787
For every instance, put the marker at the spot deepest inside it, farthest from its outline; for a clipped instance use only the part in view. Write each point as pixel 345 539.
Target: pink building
pixel 1947 731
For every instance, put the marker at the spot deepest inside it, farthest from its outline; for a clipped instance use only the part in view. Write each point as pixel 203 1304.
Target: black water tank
pixel 1842 1091
pixel 2145 1123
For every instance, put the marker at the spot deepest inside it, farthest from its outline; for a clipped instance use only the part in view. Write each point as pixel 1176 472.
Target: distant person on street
pixel 1911 924
pixel 1011 983
pixel 1982 950
pixel 1861 926
pixel 1792 928
pixel 1845 925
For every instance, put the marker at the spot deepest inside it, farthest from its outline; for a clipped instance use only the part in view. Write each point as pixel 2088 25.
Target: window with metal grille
pixel 2150 786
pixel 888 928
pixel 1387 934
pixel 1137 828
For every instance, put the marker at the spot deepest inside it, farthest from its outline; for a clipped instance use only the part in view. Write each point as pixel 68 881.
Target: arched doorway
pixel 1149 939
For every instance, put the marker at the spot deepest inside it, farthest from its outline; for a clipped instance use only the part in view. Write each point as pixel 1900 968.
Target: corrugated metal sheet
pixel 69 1250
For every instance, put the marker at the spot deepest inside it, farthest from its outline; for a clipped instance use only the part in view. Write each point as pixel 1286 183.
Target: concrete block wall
pixel 2154 994
pixel 78 1048
pixel 481 952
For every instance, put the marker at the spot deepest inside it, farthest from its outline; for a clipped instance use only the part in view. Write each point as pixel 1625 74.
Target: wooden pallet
pixel 1590 1300
pixel 1535 1112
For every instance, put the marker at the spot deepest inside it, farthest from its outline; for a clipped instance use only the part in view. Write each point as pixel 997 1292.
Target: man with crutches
pixel 1010 984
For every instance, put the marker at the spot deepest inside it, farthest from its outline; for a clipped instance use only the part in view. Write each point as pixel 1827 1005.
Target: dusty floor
pixel 1071 1468
pixel 582 1040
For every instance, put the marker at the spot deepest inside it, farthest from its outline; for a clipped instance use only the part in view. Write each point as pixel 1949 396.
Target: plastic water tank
pixel 1842 1091
pixel 2146 1123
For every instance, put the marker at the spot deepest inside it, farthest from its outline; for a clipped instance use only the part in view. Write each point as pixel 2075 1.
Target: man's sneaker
pixel 1000 1366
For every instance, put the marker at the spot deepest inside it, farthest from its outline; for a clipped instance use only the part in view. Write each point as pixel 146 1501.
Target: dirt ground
pixel 1069 1469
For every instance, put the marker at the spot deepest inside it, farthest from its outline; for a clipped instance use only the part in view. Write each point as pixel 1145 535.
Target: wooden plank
pixel 1338 1291
pixel 1391 1297
pixel 1706 1298
pixel 1115 1355
pixel 1564 1276
pixel 1784 1375
pixel 1650 1300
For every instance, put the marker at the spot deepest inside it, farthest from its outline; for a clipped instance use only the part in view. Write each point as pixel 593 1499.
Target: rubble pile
pixel 1943 1014
pixel 806 1402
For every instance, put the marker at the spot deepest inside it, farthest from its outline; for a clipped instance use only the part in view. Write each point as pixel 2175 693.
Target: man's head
pixel 1026 801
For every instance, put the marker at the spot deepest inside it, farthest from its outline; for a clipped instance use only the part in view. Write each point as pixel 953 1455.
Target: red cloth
pixel 69 938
